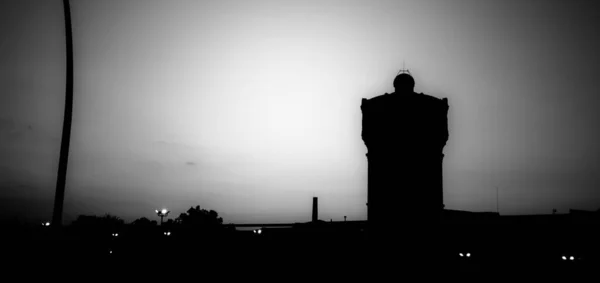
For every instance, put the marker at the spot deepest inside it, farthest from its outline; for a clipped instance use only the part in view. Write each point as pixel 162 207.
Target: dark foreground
pixel 235 255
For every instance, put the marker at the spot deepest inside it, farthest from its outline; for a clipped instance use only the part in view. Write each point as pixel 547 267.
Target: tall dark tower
pixel 315 211
pixel 405 133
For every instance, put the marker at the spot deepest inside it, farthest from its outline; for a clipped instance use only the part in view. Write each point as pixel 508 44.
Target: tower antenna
pixel 404 70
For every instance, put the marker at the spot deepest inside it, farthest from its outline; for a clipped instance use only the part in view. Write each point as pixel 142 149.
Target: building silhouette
pixel 405 133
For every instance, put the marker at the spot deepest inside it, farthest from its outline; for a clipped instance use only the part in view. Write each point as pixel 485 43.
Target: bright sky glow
pixel 251 108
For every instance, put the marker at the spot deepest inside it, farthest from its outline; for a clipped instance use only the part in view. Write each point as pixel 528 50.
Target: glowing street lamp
pixel 45 224
pixel 162 213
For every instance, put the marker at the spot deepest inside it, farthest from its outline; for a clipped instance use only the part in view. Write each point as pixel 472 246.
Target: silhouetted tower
pixel 405 133
pixel 315 210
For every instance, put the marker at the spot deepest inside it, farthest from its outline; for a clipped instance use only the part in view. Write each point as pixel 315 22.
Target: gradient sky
pixel 251 108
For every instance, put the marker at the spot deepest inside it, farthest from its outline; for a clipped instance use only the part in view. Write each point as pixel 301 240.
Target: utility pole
pixel 66 133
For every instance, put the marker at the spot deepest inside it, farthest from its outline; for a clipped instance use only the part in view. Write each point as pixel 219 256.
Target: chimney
pixel 315 212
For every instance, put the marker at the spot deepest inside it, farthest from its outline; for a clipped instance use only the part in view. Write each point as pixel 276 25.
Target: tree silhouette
pixel 98 221
pixel 144 222
pixel 143 228
pixel 97 226
pixel 199 218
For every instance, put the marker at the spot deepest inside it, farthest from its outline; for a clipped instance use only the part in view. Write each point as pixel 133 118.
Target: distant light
pixel 461 255
pixel 45 223
pixel 116 234
pixel 111 252
pixel 164 211
pixel 564 257
pixel 468 255
pixel 259 231
pixel 572 258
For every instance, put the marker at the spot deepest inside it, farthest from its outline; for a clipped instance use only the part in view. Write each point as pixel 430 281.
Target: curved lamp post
pixel 61 180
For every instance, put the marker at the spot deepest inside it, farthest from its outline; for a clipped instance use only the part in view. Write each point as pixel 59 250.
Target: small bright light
pixel 259 231
pixel 168 233
pixel 460 254
pixel 564 257
pixel 46 224
pixel 572 258
pixel 116 234
pixel 111 252
pixel 468 255
pixel 164 211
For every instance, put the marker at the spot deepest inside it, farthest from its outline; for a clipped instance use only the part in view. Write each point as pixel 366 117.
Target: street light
pixel 162 213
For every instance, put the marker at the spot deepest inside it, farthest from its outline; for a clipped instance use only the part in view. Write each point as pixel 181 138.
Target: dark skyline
pixel 252 108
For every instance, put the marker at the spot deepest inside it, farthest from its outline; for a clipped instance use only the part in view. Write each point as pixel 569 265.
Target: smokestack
pixel 315 213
